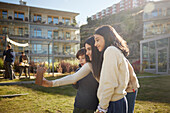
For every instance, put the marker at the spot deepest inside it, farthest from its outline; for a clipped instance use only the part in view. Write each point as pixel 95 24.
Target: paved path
pixel 152 76
pixel 17 83
pixel 32 82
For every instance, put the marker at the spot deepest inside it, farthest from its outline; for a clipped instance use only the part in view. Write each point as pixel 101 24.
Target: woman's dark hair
pixel 112 38
pixel 9 46
pixel 95 56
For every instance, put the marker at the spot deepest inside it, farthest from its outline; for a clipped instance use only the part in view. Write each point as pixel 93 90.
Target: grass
pixel 39 99
pixel 153 97
pixel 147 74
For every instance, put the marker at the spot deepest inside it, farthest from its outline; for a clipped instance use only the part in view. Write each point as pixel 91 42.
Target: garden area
pixel 153 97
pixel 60 67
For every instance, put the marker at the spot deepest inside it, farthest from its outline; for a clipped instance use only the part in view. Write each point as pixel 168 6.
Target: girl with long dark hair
pixel 116 75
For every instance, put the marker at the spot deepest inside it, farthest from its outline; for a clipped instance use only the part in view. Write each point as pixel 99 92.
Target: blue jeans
pixel 119 106
pixel 131 97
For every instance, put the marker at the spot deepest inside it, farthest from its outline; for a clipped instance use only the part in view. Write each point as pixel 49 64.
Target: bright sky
pixel 86 8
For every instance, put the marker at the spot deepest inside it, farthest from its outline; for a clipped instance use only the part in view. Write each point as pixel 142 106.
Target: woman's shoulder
pixel 112 50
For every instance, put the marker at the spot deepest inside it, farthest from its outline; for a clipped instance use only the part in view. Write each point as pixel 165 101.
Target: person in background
pixel 9 56
pixel 86 100
pixel 23 64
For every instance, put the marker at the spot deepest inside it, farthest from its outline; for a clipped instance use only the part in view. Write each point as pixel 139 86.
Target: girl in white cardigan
pixel 115 74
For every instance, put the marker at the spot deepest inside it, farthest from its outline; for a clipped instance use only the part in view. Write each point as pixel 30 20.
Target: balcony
pixel 147 17
pixel 20 19
pixel 21 36
pixel 37 21
pixel 56 39
pixel 58 54
pixel 17 20
pixel 60 24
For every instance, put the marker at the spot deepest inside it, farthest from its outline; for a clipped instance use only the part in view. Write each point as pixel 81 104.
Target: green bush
pixel 67 66
pixel 1 63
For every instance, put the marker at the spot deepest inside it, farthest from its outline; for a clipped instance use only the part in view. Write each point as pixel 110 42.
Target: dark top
pixel 86 97
pixel 9 55
pixel 21 58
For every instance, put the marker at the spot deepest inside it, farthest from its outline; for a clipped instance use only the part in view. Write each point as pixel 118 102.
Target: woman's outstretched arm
pixel 69 79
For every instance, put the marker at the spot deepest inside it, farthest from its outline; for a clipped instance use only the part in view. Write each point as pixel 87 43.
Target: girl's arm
pixel 69 79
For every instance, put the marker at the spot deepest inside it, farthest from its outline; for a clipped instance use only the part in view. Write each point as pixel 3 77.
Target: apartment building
pixel 155 48
pixel 52 35
pixel 123 5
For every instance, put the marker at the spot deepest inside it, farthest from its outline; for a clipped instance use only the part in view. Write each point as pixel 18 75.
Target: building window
pixel 19 15
pixel 37 17
pixel 38 33
pixel 152 55
pixel 20 31
pixel 68 36
pixel 55 33
pixel 145 51
pixel 145 56
pixel 4 30
pixel 50 49
pixel 49 34
pixel 37 48
pixel 68 49
pixel 160 12
pixel 26 31
pixel 52 20
pixel 154 13
pixel 56 50
pixel 168 12
pixel 66 21
pixel 162 43
pixel 3 14
pixel 55 20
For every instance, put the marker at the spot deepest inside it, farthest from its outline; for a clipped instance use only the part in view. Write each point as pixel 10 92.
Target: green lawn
pixel 147 74
pixel 153 97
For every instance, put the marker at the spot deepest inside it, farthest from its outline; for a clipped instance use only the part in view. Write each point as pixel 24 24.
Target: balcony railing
pixel 60 39
pixel 59 54
pixel 56 24
pixel 151 17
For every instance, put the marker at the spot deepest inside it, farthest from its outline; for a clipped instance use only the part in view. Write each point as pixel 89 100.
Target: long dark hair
pixel 112 38
pixel 95 57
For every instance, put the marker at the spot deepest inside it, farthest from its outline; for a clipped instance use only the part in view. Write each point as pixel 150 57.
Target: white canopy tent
pixel 16 43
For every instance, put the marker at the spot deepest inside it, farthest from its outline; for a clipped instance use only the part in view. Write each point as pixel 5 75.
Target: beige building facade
pixel 52 35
